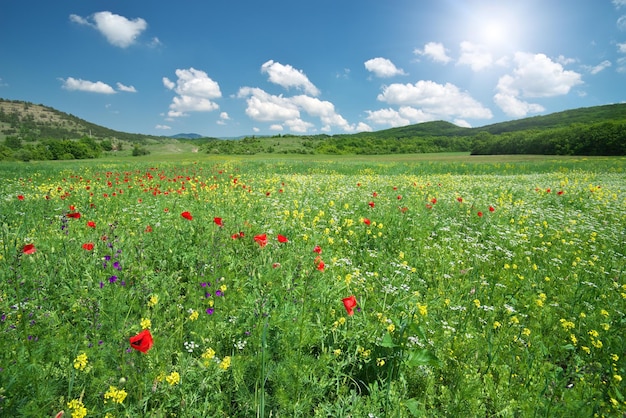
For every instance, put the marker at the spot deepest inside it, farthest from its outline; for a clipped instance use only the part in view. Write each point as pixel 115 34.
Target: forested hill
pixel 28 131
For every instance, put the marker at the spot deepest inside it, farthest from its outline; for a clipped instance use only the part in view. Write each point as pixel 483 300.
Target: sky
pixel 228 68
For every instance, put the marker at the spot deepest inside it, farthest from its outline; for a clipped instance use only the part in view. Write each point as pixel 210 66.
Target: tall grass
pixel 483 288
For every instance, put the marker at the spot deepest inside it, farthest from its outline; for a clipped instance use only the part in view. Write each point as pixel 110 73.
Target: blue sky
pixel 230 68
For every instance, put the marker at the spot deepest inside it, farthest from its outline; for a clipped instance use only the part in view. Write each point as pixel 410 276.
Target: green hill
pixel 599 130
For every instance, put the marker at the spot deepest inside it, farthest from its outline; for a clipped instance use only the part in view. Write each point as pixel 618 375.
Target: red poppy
pixel 560 192
pixel 433 200
pixel 371 204
pixel 349 303
pixel 276 265
pixel 186 215
pixel 492 209
pixel 399 197
pixel 261 239
pixel 366 221
pixel 91 224
pixel 29 249
pixel 142 341
pixel 88 246
pixel 480 214
pixel 74 215
pixel 459 199
pixel 317 249
pixel 321 266
pixel 20 197
pixel 148 228
pixel 218 221
pixel 282 239
pixel 374 194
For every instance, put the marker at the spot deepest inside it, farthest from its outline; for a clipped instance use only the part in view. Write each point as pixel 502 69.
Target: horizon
pixel 313 68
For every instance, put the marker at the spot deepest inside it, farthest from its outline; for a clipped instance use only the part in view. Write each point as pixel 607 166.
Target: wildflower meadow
pixel 234 287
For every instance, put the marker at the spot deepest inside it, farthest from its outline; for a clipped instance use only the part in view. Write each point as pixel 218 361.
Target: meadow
pixel 404 286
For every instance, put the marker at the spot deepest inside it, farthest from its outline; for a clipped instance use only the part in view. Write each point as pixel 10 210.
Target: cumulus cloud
pixel 476 56
pixel 382 67
pixel 196 92
pixel 118 30
pixel 265 107
pixel 128 89
pixel 622 48
pixel 435 51
pixel 74 84
pixel 621 22
pixel 286 76
pixel 163 127
pixel 619 3
pixel 433 101
pixel 535 76
pixel 223 118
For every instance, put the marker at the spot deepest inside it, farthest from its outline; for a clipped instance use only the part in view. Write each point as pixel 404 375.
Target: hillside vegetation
pixel 36 132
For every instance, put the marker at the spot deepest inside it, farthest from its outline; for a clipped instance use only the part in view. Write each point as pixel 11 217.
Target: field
pixel 404 286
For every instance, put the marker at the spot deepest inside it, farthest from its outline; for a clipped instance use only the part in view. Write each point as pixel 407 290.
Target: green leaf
pixel 388 341
pixel 421 358
pixel 413 406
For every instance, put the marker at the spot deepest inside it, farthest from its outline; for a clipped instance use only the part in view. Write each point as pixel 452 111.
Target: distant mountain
pixel 186 136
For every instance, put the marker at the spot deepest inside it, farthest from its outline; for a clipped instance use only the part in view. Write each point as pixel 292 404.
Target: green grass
pixel 485 286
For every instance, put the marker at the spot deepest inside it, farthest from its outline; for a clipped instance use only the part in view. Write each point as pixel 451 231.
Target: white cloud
pixel 598 68
pixel 118 30
pixel 622 48
pixel 405 115
pixel 441 101
pixel 74 84
pixel 621 65
pixel 286 76
pixel 382 67
pixel 223 118
pixel 276 127
pixel 164 127
pixel 265 107
pixel 196 91
pixel 128 89
pixel 535 76
pixel 435 51
pixel 621 22
pixel 563 60
pixel 619 3
pixel 462 123
pixel 476 56
pixel 363 127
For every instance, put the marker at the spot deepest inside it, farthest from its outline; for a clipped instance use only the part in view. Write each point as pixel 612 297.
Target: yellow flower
pixel 152 302
pixel 574 339
pixel 145 323
pixel 391 328
pixel 477 303
pixel 496 325
pixel 526 332
pixel 596 343
pixel 593 333
pixel 337 352
pixel 586 349
pixel 422 309
pixel 80 362
pixel 603 312
pixel 567 324
pixel 617 377
pixel 225 363
pixel 380 362
pixel 208 354
pixel 173 378
pixel 223 288
pixel 614 357
pixel 193 316
pixel 115 394
pixel 78 408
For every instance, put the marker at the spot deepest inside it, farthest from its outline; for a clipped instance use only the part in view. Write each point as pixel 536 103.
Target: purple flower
pixel 218 293
pixel 101 285
pixel 107 257
pixel 210 311
pixel 117 266
pixel 112 279
pixel 207 295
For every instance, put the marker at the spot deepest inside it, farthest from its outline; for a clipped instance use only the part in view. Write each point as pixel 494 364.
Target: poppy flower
pixel 317 249
pixel 261 239
pixel 20 197
pixel 282 239
pixel 148 228
pixel 371 204
pixel 349 303
pixel 218 221
pixel 480 214
pixel 491 209
pixel 74 215
pixel 366 221
pixel 29 249
pixel 88 246
pixel 142 341
pixel 91 224
pixel 321 266
pixel 186 215
pixel 433 200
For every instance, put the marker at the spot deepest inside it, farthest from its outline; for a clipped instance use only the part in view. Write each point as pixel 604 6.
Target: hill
pixel 599 130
